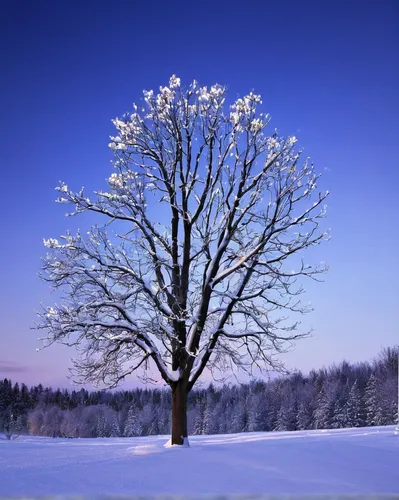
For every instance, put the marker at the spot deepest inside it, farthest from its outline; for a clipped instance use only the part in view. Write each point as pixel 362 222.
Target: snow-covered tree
pixel 339 418
pixel 323 411
pixel 388 396
pixel 355 407
pixel 240 416
pixel 52 419
pixel 257 410
pixel 11 425
pixel 88 422
pixel 115 428
pixel 154 428
pixel 304 416
pixel 199 423
pixel 133 426
pixel 199 257
pixel 102 426
pixel 372 403
pixel 35 420
pixel 287 416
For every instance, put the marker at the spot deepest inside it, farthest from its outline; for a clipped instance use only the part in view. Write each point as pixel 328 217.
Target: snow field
pixel 344 461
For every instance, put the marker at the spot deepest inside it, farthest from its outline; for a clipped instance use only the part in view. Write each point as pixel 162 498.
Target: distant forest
pixel 345 395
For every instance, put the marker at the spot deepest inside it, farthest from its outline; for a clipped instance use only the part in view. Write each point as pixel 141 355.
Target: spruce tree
pixel 354 407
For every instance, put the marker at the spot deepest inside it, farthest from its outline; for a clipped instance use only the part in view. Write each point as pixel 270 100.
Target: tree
pixel 373 408
pixel 323 411
pixel 257 408
pixel 133 425
pixel 115 428
pixel 11 425
pixel 304 417
pixel 206 218
pixel 199 423
pixel 354 407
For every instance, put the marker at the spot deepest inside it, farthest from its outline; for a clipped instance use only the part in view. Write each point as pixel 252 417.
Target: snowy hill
pixel 321 462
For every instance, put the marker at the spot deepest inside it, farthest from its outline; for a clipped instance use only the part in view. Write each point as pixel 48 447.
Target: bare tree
pixel 203 214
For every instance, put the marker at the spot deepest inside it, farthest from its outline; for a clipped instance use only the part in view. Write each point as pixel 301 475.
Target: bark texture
pixel 179 413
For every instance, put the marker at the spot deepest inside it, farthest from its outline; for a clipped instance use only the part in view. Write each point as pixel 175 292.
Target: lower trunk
pixel 179 413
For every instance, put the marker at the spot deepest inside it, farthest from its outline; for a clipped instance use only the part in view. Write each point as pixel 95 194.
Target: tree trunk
pixel 179 413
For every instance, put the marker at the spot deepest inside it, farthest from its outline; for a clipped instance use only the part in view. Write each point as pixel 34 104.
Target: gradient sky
pixel 327 72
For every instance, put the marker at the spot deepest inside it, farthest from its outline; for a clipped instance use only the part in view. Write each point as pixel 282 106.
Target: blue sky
pixel 327 72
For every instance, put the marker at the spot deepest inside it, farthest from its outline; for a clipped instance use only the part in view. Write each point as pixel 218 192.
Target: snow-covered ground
pixel 331 462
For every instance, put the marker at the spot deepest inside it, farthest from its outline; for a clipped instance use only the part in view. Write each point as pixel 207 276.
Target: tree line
pixel 344 395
